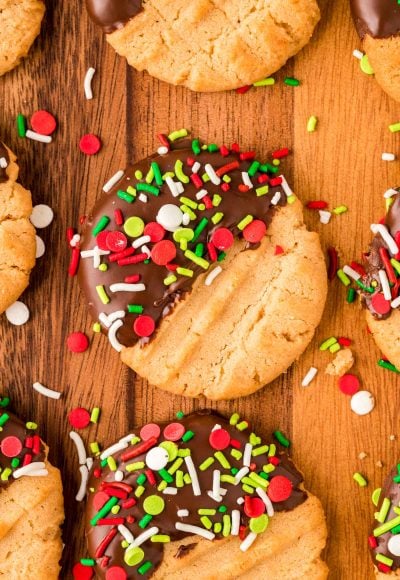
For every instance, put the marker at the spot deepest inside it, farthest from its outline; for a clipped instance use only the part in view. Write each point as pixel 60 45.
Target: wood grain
pixel 340 163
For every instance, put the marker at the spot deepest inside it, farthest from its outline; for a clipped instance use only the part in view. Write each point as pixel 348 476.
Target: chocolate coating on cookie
pixel 4 161
pixel 137 489
pixel 377 18
pixel 113 14
pixel 202 196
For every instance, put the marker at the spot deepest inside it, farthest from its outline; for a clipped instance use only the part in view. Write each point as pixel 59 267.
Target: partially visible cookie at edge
pixel 17 234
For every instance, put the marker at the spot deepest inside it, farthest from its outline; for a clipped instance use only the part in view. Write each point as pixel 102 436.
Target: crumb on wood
pixel 342 363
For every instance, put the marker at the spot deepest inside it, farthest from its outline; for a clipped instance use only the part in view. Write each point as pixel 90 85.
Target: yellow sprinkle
pixel 102 294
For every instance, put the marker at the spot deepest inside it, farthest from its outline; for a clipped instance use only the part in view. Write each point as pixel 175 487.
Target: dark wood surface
pixel 340 163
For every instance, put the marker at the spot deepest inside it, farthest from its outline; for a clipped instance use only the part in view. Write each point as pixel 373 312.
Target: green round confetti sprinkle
pixel 376 495
pixel 153 505
pixel 366 66
pixel 134 226
pixel 171 448
pixel 133 556
pixel 259 525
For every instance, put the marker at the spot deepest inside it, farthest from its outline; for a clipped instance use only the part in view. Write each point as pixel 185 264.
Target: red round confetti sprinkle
pixel 253 506
pixel 163 252
pixel 11 446
pixel 349 384
pixel 79 418
pixel 89 144
pixel 380 304
pixel 173 431
pixel 116 573
pixel 280 488
pixel 116 241
pixel 144 325
pixel 150 430
pixel 43 123
pixel 255 231
pixel 155 231
pixel 101 240
pixel 81 572
pixel 77 342
pixel 222 238
pixel 99 499
pixel 219 439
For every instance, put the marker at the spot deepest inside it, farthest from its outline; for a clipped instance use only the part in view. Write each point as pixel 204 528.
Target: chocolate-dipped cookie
pixel 206 496
pixel 204 45
pixel 198 266
pixel 378 25
pixel 30 545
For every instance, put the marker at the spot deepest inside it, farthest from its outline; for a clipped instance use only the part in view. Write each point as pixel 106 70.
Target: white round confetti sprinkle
pixel 394 545
pixel 40 247
pixel 362 403
pixel 42 216
pixel 170 217
pixel 157 458
pixel 18 313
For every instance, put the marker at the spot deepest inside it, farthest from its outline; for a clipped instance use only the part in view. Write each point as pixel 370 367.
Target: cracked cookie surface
pixel 17 234
pixel 214 45
pixel 20 22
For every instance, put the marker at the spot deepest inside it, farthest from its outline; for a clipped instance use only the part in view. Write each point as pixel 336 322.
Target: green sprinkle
pixel 178 134
pixel 179 478
pixel 334 348
pixel 135 466
pixel 376 495
pixel 175 466
pixel 199 228
pixel 187 436
pixel 207 523
pixel 245 222
pixel 258 480
pixel 383 512
pixel 4 402
pixel 248 489
pixel 188 202
pixel 365 288
pixel 216 200
pixel 226 530
pixel 145 568
pixel 217 217
pixel 6 474
pixel 135 308
pixel 221 257
pixel 259 450
pixel 328 343
pixel 15 462
pixel 162 538
pixel 396 265
pixel 222 459
pixel 268 468
pixel 94 417
pixel 217 527
pixel 268 168
pixel 101 225
pixel 112 464
pixel 107 507
pixel 165 475
pixel 365 65
pixel 312 124
pixel 146 519
pixel 187 479
pixel 206 512
pixel 186 209
pixel 206 463
pixel 199 250
pixel 281 438
pixel 125 196
pixel 340 209
pixel 292 82
pixel 88 562
pixel 262 190
pixel 196 147
pixel 157 173
pixel 179 172
pixel 222 509
pixel 272 450
pixel 180 415
pixel 161 486
pixel 394 128
pixel 170 280
pixel 4 418
pixel 213 148
pixel 384 559
pixel 138 174
pixel 139 491
pixel 343 277
pixel 148 188
pixel 234 419
pixel 236 454
pixel 102 294
pixel 184 452
pixel 360 479
pixel 141 479
pixel 351 295
pixel 252 170
pixel 264 82
pixel 242 426
pixel 150 176
pixel 21 125
pixel 225 478
pixel 197 260
pixel 385 364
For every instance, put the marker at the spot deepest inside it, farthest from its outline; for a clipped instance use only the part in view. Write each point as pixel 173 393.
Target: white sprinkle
pixel 395 303
pixel 193 475
pixel 42 215
pixel 351 272
pixel 162 150
pixel 114 449
pixel 37 137
pixel 122 287
pixel 383 231
pixel 77 439
pixel 40 247
pixel 216 485
pixel 119 475
pixel 182 513
pixel 84 479
pixel 186 219
pixel 76 238
pixel 385 284
pixel 216 427
pixel 240 500
pixel 358 54
pixel 3 162
pixel 209 169
pixel 276 198
pixel 87 83
pixel 195 167
pixel 89 463
pixel 195 530
pixel 240 474
pixel 309 377
pixel 107 320
pixel 127 438
pixel 34 469
pixel 17 313
pixel 112 335
pixel 324 216
pixel 247 454
pixel 113 181
pixel 96 254
pixel 390 193
pixel 145 250
pixel 180 187
pixel 202 193
pixel 388 156
pixel 248 541
pixel 246 180
pixel 145 536
pixel 170 491
pixel 142 197
pixel 45 391
pixel 172 186
pixel 235 522
pixel 267 502
pixel 212 275
pixel 362 403
pixel 127 534
pixel 285 186
pixel 139 241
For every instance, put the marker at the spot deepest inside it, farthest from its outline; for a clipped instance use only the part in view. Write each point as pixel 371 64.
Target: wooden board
pixel 340 163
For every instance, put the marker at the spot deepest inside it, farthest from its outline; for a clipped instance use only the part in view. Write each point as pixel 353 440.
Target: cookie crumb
pixel 392 437
pixel 362 455
pixel 379 464
pixel 342 363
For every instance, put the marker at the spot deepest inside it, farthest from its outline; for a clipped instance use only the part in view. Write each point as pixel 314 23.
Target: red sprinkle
pixel 79 418
pixel 101 548
pixel 235 443
pixel 274 460
pixel 11 446
pixel 243 90
pixel 275 181
pixel 101 240
pixel 317 204
pixel 43 123
pixel 253 506
pixel 279 250
pixel 144 325
pixel 116 241
pixel 74 262
pixel 235 147
pixel 224 151
pixel 70 234
pixel 280 488
pixel 77 342
pixel 219 439
pixel 139 449
pixel 132 259
pixel 163 252
pixel 118 217
pixel 132 279
pixel 211 252
pixel 358 268
pixel 225 187
pixel 81 572
pixel 349 384
pixel 333 263
pixel 164 140
pixel 227 168
pixel 150 477
pixel 380 304
pixel 246 155
pixel 149 430
pixel 280 153
pixel 174 431
pixel 343 341
pixel 255 231
pixel 196 180
pixel 155 231
pixel 372 542
pixel 128 503
pixel 384 568
pixel 116 573
pixel 90 144
pixel 222 239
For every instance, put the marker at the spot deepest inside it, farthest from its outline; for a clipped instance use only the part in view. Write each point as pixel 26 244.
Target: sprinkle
pixel 383 231
pixel 170 491
pixel 388 157
pixel 45 391
pixel 83 485
pixel 18 313
pixel 113 180
pixel 358 54
pixel 21 125
pixel 42 215
pixel 248 541
pixel 212 275
pixel 385 284
pixel 387 526
pixel 122 287
pixel 309 377
pixel 235 522
pixel 90 144
pixel 35 469
pixel 247 455
pixel 37 137
pixel 195 530
pixel 80 447
pixel 312 124
pixel 362 403
pixel 182 513
pixel 87 84
pixel 343 277
pixel 394 128
pixel 390 193
pixel 340 209
pixel 102 294
pixel 267 502
pixel 292 82
pixel 264 82
pixel 349 271
pixel 324 216
pixel 193 475
pixel 387 365
pixel 281 438
pixel 383 512
pixel 240 474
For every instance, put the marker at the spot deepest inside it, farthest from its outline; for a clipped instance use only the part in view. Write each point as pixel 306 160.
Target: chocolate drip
pixel 201 425
pixel 112 15
pixel 377 18
pixel 3 156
